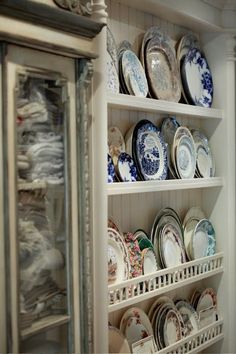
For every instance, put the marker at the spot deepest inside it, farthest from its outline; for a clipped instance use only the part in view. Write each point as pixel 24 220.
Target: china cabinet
pixel 134 205
pixel 46 75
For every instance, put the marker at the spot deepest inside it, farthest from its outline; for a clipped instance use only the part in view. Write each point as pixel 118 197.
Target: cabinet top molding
pixel 81 7
pixel 57 16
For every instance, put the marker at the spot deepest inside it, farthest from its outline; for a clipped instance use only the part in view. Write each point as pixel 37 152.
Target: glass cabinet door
pixel 41 194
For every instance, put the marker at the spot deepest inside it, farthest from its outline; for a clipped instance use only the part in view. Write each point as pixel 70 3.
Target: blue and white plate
pixel 203 241
pixel 197 79
pixel 126 168
pixel 149 151
pixel 134 74
pixel 110 170
pixel 186 157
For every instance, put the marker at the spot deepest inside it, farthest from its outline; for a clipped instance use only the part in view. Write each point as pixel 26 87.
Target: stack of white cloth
pixel 46 156
pixel 38 258
pixel 40 144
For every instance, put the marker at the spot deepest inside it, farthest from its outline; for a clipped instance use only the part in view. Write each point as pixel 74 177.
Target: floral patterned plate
pixel 126 168
pixel 149 151
pixel 162 71
pixel 117 258
pixel 135 324
pixel 197 79
pixel 135 256
pixel 173 328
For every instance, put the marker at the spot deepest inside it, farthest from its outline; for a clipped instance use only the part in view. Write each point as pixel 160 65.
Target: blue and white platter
pixel 111 175
pixel 126 168
pixel 133 73
pixel 197 79
pixel 149 151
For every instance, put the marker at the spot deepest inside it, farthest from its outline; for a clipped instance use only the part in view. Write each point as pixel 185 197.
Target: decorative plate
pixel 112 75
pixel 203 240
pixel 197 79
pixel 135 330
pixel 190 317
pixel 205 163
pixel 118 258
pixel 117 341
pixel 135 256
pixel 194 213
pixel 145 243
pixel 171 246
pixel 188 234
pixel 149 261
pixel 172 330
pixel 126 168
pixel 207 307
pixel 134 74
pixel 161 68
pixel 199 242
pixel 187 42
pixel 116 143
pixel 186 157
pixel 168 128
pixel 112 48
pixel 110 170
pixel 140 234
pixel 149 151
pixel 113 225
pixel 140 323
pixel 162 213
pixel 159 301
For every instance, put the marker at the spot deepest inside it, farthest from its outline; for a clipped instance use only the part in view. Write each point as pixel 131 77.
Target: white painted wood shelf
pixel 119 188
pixel 44 324
pixel 148 286
pixel 142 104
pixel 196 342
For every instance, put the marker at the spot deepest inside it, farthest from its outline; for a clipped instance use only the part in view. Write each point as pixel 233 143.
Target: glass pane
pixel 43 212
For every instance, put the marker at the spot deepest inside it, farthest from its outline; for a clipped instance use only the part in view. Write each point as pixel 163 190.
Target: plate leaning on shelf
pixel 197 79
pixel 187 42
pixel 118 258
pixel 161 68
pixel 205 162
pixel 133 74
pixel 117 341
pixel 135 324
pixel 149 151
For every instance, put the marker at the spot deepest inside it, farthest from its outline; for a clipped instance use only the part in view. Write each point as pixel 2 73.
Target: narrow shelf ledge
pixel 196 342
pixel 148 286
pixel 151 105
pixel 44 324
pixel 118 188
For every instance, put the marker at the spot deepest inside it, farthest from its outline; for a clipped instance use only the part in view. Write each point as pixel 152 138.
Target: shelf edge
pixel 159 106
pixel 118 188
